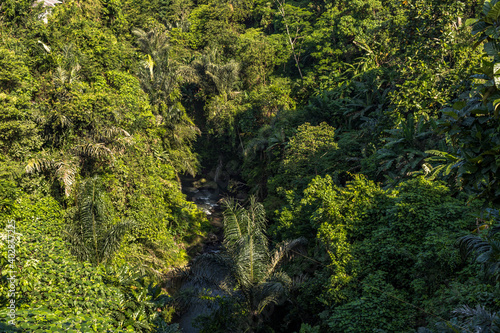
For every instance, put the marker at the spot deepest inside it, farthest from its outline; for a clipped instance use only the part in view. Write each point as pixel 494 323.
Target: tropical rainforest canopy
pixel 362 138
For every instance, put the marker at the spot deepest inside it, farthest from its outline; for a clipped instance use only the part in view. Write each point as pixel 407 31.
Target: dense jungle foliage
pixel 361 139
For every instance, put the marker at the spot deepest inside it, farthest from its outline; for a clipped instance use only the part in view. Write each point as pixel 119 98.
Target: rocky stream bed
pixel 206 195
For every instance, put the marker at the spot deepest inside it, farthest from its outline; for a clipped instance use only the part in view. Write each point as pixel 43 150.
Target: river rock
pixel 211 185
pixel 203 183
pixel 199 183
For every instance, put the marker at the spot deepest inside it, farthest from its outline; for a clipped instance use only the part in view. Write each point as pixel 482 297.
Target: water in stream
pixel 206 195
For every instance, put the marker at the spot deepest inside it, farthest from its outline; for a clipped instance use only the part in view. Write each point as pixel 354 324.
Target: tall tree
pixel 160 78
pixel 250 263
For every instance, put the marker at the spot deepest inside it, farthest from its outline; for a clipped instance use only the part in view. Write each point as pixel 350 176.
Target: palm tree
pixel 67 71
pixel 218 82
pixel 486 250
pixel 92 232
pixel 251 266
pixel 216 78
pixel 467 320
pixel 159 75
pixel 63 170
pixel 89 150
pixel 160 78
pixel 258 154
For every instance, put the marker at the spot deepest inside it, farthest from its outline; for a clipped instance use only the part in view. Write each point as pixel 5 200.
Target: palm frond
pixel 111 240
pixel 93 150
pixel 60 76
pixel 223 76
pixel 211 269
pixel 76 243
pixel 272 292
pixel 39 165
pixel 478 318
pixel 284 250
pixel 447 156
pixel 91 232
pixel 153 42
pixel 234 224
pixel 257 215
pixel 486 251
pixel 251 256
pixel 112 132
pixel 473 244
pixel 188 74
pixel 65 173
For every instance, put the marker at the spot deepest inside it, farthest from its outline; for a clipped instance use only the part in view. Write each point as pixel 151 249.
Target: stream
pixel 206 195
